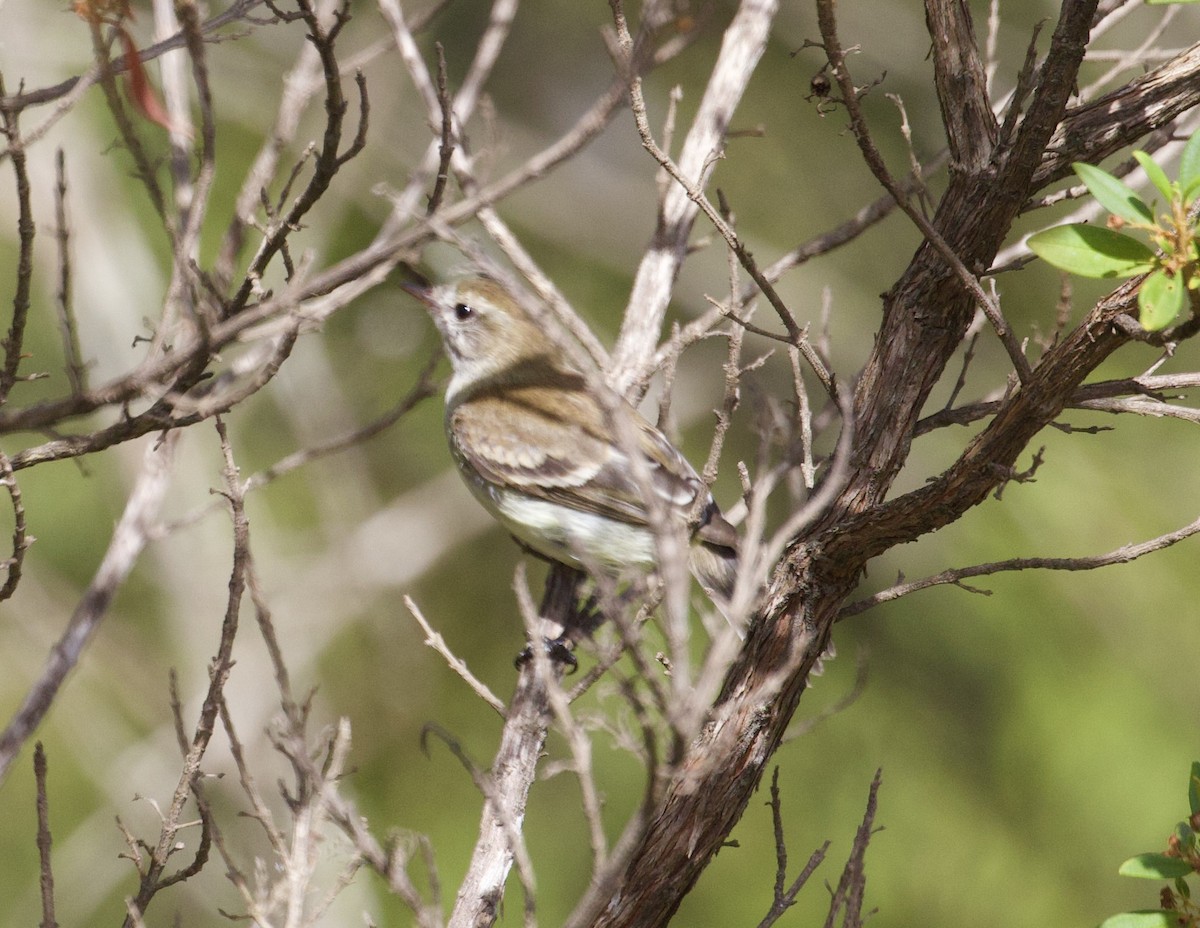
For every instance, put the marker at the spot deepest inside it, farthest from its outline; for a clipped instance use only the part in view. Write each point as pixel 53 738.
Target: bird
pixel 565 464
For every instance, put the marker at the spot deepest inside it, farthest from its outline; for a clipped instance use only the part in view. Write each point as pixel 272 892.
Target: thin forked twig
pixel 153 879
pixel 453 661
pixel 956 576
pixel 785 894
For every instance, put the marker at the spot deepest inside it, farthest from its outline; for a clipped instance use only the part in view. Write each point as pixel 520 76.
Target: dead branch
pixel 785 894
pixel 44 841
pixel 13 342
pixel 956 576
pixel 154 877
pixel 128 540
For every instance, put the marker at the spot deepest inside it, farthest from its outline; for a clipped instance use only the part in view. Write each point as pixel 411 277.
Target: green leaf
pixel 1113 194
pixel 1189 191
pixel 1154 866
pixel 1092 251
pixel 1157 175
pixel 1160 300
pixel 1189 164
pixel 1194 782
pixel 1169 2
pixel 1147 918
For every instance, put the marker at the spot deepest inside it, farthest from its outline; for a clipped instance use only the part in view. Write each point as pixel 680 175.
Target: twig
pixel 808 469
pixel 238 11
pixel 390 862
pixel 745 39
pixel 46 880
pixel 506 819
pixel 446 149
pixel 152 878
pixel 848 895
pixel 956 576
pixel 487 52
pixel 143 164
pixel 329 159
pixel 456 663
pixel 513 770
pixel 192 193
pixel 577 738
pixel 10 124
pixel 21 540
pixel 785 895
pixel 1105 396
pixel 867 217
pixel 424 388
pixel 299 84
pixel 76 369
pixel 850 99
pixel 259 810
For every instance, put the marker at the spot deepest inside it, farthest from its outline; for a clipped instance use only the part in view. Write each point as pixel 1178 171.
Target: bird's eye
pixel 463 312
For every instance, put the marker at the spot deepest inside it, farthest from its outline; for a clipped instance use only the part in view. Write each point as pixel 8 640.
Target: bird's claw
pixel 557 649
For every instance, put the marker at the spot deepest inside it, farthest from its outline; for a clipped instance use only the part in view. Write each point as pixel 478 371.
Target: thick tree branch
pixel 925 316
pixel 1095 130
pixel 961 84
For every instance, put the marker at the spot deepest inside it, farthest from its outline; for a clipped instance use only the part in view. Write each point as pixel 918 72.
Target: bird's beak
pixel 414 283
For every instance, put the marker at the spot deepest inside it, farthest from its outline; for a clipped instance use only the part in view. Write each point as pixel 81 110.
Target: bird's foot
pixel 557 649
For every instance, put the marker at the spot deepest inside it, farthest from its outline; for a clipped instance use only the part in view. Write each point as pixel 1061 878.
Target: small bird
pixel 541 448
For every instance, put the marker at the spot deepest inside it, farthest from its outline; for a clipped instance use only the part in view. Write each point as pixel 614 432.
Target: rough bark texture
pixel 924 318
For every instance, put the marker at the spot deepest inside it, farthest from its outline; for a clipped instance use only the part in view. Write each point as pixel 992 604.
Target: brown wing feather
pixel 553 443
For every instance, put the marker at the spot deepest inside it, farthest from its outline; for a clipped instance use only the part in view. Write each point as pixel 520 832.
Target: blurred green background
pixel 1030 739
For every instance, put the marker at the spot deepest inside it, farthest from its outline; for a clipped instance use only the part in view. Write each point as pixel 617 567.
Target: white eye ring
pixel 463 312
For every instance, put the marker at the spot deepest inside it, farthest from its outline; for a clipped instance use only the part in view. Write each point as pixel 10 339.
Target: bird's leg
pixel 559 613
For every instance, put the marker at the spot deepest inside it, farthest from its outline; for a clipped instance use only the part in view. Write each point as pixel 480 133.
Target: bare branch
pixel 858 124
pixel 13 342
pixel 44 841
pixel 848 896
pixel 21 540
pixel 76 369
pixel 153 879
pixel 956 576
pixel 513 771
pixel 961 85
pixel 785 895
pixel 128 540
pixel 1093 131
pixel 742 46
pixel 446 148
pixel 457 664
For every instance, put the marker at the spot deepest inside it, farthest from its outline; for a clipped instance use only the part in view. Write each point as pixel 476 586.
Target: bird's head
pixel 485 330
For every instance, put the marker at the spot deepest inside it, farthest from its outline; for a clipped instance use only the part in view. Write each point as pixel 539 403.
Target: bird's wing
pixel 558 445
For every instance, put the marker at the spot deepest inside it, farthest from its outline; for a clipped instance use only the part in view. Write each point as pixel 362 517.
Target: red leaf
pixel 140 91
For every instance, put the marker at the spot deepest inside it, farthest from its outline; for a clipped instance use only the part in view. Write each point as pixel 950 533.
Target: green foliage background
pixel 1030 739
